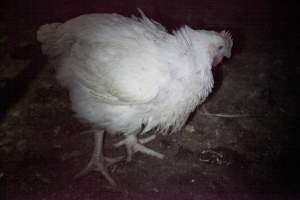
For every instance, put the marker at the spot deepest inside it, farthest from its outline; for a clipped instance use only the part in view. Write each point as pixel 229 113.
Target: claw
pixel 134 145
pixel 98 162
pixel 97 165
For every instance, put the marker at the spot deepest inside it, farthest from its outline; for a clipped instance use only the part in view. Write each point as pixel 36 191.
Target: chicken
pixel 130 76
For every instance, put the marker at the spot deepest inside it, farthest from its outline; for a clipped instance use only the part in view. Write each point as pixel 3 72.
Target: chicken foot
pixel 134 145
pixel 98 162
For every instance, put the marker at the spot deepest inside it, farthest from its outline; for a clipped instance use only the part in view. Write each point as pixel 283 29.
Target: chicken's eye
pixel 221 47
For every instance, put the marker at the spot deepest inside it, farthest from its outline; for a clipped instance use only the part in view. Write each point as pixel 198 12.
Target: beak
pixel 227 54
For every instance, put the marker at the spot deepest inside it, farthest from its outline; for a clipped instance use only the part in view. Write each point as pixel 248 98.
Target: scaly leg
pixel 134 145
pixel 97 161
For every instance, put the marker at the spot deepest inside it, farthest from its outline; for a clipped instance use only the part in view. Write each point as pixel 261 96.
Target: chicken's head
pixel 222 47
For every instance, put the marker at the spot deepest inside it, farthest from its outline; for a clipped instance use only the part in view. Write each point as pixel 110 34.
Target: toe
pixel 147 139
pixel 148 151
pixel 99 166
pixel 111 161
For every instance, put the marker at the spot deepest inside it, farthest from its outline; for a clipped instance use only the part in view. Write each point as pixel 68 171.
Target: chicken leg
pixel 134 145
pixel 98 162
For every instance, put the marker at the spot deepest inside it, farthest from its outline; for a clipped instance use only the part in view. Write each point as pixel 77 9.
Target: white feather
pixel 123 73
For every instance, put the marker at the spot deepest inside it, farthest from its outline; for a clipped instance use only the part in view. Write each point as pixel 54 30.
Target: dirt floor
pixel 251 156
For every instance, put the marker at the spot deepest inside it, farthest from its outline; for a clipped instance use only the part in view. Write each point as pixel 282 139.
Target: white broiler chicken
pixel 129 75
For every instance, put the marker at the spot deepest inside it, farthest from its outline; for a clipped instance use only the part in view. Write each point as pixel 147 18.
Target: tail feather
pixel 50 39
